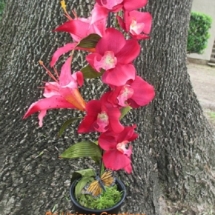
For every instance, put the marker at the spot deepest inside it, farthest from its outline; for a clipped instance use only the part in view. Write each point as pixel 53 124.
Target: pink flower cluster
pixel 112 57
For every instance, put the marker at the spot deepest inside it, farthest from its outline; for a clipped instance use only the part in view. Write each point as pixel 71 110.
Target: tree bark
pixel 182 139
pixel 173 162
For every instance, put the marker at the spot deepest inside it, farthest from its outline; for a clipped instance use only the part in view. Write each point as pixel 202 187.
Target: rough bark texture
pixel 173 158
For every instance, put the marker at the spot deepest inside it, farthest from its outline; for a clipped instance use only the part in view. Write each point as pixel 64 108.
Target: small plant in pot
pixel 111 52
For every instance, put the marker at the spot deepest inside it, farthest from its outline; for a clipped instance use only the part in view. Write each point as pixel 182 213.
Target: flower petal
pixel 145 18
pixel 114 116
pixel 46 104
pixel 129 52
pixel 128 134
pixel 107 141
pixel 78 76
pixel 51 89
pixel 121 22
pixel 143 93
pixel 125 93
pixel 134 4
pixel 98 13
pixel 109 4
pixel 69 80
pixel 109 42
pixel 74 97
pixel 41 116
pixel 93 107
pixel 102 122
pixel 138 24
pixel 93 60
pixel 76 27
pixel 128 168
pixel 140 37
pixel 65 77
pixel 119 75
pixel 87 124
pixel 98 20
pixel 115 160
pixel 60 51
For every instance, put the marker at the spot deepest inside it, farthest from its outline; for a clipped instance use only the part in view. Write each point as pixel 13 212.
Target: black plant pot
pixel 79 209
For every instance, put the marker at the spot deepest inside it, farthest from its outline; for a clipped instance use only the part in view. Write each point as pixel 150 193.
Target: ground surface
pixel 203 81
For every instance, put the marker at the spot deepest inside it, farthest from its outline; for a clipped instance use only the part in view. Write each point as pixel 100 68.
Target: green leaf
pixel 82 149
pixel 97 160
pixel 89 41
pixel 89 72
pixel 83 173
pixel 124 111
pixel 81 184
pixel 66 124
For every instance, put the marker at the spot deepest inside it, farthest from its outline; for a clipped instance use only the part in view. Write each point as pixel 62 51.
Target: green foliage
pixel 107 199
pixel 81 184
pixel 83 173
pixel 85 176
pixel 89 72
pixel 89 41
pixel 198 33
pixel 124 111
pixel 2 4
pixel 83 149
pixel 67 124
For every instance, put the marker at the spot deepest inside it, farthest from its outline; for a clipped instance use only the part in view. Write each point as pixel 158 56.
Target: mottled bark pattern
pixel 182 141
pixel 173 158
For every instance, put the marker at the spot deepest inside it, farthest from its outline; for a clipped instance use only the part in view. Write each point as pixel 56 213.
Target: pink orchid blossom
pixel 100 116
pixel 115 54
pixel 117 153
pixel 134 93
pixel 80 28
pixel 138 24
pixel 62 93
pixel 116 5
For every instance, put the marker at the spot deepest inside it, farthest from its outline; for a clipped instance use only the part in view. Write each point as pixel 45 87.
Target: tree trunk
pixel 173 162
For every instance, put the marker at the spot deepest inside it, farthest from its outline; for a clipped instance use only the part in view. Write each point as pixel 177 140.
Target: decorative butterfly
pixel 96 187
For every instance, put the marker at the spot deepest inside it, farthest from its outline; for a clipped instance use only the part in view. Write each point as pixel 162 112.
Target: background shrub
pixel 198 32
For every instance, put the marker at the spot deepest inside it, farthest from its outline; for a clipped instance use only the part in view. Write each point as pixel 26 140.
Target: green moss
pixel 107 199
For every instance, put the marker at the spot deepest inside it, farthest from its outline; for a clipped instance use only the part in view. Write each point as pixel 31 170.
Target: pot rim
pixel 76 203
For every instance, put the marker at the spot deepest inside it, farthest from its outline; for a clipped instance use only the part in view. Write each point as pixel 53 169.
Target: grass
pixel 210 114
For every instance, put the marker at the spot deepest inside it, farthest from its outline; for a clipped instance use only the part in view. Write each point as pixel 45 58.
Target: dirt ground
pixel 203 81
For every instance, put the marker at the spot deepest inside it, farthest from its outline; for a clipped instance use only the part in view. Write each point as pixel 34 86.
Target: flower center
pixel 122 147
pixel 102 121
pixel 136 28
pixel 102 116
pixel 125 93
pixel 108 60
pixel 74 97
